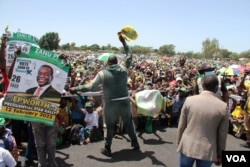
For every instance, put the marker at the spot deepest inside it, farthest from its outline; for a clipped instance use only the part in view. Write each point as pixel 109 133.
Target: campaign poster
pixel 16 39
pixel 36 85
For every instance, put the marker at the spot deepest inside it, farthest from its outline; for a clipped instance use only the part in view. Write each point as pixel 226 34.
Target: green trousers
pixel 112 111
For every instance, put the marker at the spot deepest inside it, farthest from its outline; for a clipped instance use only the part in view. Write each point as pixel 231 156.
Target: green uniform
pixel 116 97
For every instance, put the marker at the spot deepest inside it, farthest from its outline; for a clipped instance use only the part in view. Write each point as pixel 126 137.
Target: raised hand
pixel 3 39
pixel 72 90
pixel 2 52
pixel 121 38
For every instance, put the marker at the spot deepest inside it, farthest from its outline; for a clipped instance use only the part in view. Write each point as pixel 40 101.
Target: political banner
pixel 36 85
pixel 16 39
pixel 149 102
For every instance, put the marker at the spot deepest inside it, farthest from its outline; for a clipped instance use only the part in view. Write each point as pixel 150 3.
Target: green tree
pixel 197 55
pixel 83 47
pixel 73 46
pixel 65 46
pixel 140 49
pixel 107 48
pixel 94 47
pixel 234 56
pixel 210 48
pixel 224 53
pixel 115 48
pixel 168 50
pixel 189 54
pixel 50 41
pixel 245 54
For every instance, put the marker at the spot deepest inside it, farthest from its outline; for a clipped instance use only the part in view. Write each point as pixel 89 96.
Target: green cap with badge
pixel 89 104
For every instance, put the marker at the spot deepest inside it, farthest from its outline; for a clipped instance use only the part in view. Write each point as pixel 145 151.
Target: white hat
pixel 178 79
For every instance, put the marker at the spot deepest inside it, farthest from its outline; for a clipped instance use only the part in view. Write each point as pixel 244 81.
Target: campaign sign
pixel 16 39
pixel 36 85
pixel 235 158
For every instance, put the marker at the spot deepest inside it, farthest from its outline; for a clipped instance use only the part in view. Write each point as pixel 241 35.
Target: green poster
pixel 35 87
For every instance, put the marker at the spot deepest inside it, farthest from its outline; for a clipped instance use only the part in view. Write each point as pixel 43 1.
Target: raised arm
pixel 91 86
pixel 3 63
pixel 2 53
pixel 129 55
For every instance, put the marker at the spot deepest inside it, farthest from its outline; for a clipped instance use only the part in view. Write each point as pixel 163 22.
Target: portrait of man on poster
pixel 44 88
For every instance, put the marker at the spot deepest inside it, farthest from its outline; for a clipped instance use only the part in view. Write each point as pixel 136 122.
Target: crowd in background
pixel 175 77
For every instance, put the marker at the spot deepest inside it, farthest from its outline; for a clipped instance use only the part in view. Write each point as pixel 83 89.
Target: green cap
pixel 89 104
pixel 2 121
pixel 183 90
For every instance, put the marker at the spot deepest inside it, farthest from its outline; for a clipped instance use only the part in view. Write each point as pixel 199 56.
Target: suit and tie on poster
pixel 35 87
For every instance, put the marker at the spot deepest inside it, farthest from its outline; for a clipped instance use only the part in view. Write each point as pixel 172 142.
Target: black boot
pixel 246 145
pixel 30 164
pixel 106 151
pixel 135 145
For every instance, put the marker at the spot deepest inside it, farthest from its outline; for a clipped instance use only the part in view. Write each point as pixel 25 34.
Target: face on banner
pixel 35 87
pixel 30 73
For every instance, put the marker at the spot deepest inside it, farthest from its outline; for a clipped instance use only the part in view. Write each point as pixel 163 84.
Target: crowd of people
pixel 177 78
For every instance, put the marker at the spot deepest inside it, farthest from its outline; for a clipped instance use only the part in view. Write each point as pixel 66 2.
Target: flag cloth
pixel 149 102
pixel 128 33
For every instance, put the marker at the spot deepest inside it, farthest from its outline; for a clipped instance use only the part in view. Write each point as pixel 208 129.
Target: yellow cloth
pixel 248 107
pixel 247 84
pixel 237 112
pixel 128 33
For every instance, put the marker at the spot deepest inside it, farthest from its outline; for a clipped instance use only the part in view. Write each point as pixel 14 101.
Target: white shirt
pixel 6 159
pixel 91 119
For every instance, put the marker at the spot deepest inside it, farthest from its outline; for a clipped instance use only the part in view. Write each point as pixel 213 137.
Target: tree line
pixel 210 48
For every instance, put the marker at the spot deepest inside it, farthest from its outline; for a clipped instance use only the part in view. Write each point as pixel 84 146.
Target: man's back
pixel 203 126
pixel 115 82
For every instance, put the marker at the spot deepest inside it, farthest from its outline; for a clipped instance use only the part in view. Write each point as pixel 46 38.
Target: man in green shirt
pixel 116 97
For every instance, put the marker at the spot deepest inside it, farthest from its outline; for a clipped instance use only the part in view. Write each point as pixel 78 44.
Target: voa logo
pixel 236 158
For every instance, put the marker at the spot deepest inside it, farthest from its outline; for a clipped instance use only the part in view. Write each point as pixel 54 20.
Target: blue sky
pixel 183 23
